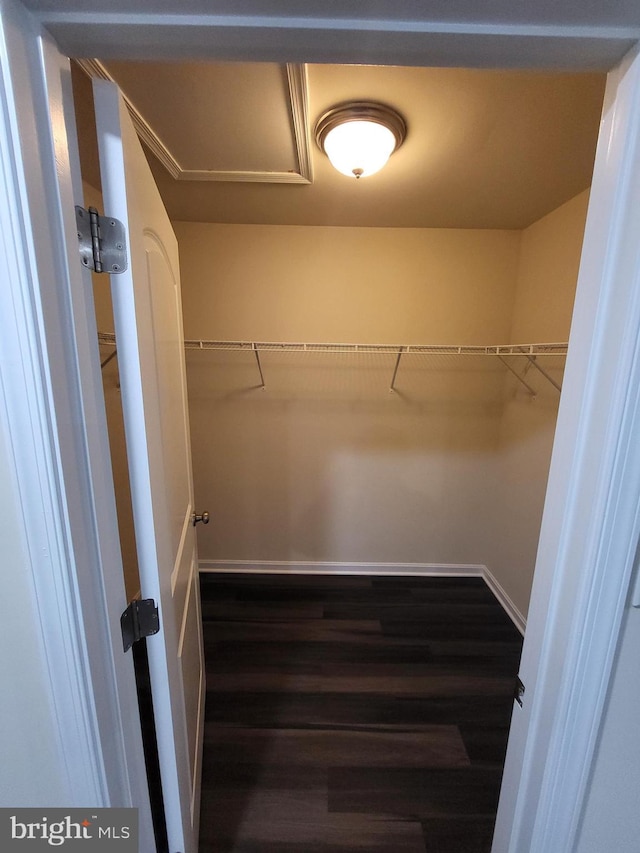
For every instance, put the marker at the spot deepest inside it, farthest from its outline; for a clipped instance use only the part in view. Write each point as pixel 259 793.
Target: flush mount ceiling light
pixel 359 137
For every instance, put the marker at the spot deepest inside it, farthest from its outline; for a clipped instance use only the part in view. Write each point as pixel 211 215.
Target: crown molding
pixel 299 99
pixel 95 69
pixel 298 91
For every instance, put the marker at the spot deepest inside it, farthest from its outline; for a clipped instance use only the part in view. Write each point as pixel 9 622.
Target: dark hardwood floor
pixel 353 714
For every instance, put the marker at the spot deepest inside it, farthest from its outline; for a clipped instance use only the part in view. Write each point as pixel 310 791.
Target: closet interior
pixel 371 399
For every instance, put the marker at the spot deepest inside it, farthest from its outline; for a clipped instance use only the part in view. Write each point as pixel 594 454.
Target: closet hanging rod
pixel 108 338
pixel 530 352
pixel 393 349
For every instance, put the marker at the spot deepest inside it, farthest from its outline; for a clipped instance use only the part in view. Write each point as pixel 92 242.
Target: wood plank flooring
pixel 353 714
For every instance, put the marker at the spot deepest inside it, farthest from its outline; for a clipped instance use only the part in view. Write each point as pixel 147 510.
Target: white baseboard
pixel 442 570
pixel 325 568
pixel 507 604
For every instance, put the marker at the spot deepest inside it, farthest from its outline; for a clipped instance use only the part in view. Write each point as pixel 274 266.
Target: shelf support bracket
pixel 517 375
pixel 532 359
pixel 257 355
pixel 395 370
pixel 106 361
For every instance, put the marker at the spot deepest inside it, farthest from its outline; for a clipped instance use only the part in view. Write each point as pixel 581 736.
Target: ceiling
pixel 233 142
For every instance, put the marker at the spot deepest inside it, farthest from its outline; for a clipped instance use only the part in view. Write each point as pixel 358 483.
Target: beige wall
pixel 370 285
pixel 32 773
pixel 547 273
pixel 545 287
pixel 610 819
pixel 325 464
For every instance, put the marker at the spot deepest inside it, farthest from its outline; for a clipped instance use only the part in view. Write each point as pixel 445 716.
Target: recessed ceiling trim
pixel 299 99
pixel 298 89
pixel 292 177
pixel 94 68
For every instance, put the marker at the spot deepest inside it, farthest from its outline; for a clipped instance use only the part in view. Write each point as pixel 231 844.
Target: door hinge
pixel 139 620
pixel 518 691
pixel 103 246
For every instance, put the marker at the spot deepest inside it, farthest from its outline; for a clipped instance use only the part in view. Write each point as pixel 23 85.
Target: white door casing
pixel 26 191
pixel 590 527
pixel 148 324
pixel 56 426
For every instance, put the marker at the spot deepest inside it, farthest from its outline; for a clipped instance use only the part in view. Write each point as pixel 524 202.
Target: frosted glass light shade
pixel 359 138
pixel 359 148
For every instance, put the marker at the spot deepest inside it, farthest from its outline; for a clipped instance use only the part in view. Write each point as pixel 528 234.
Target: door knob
pixel 204 518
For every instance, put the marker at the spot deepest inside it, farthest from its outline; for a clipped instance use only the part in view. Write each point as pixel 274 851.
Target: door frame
pixel 590 524
pixel 52 411
pixel 590 529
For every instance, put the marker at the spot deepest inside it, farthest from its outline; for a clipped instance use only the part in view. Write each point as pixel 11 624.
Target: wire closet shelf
pixel 529 352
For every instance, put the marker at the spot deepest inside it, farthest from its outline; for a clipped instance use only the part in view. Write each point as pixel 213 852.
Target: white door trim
pixel 590 524
pixel 506 35
pixel 590 499
pixel 56 426
pixel 28 386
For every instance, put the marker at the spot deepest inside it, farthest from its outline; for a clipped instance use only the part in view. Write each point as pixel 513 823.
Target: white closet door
pixel 148 323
